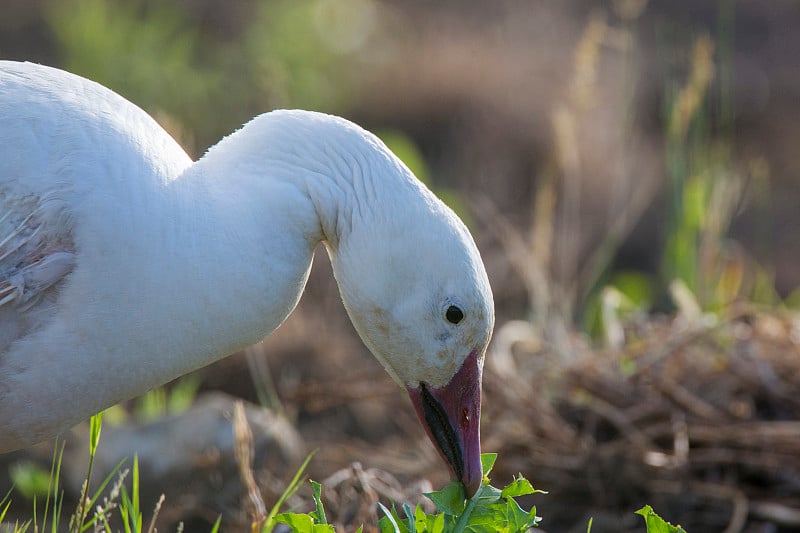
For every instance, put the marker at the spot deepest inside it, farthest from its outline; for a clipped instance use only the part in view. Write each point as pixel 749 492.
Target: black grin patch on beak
pixel 442 431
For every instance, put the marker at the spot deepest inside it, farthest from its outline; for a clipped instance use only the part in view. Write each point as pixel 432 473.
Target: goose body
pixel 124 264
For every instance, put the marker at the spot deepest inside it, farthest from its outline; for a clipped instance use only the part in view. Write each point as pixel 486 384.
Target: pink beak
pixel 451 416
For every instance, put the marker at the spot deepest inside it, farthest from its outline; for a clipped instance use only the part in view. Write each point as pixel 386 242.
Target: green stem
pixel 464 518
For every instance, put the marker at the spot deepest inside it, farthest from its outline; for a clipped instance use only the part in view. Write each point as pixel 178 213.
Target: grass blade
pixel 294 484
pixel 98 492
pixel 55 476
pixel 95 426
pixel 5 503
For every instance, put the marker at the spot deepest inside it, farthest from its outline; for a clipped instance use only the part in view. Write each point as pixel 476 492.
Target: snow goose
pixel 123 264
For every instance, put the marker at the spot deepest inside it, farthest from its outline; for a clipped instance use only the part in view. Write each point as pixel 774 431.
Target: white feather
pixel 123 264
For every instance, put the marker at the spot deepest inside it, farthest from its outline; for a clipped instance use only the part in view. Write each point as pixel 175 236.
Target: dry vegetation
pixel 695 415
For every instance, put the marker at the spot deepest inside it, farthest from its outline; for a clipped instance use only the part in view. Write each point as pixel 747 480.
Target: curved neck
pixel 329 160
pixel 269 193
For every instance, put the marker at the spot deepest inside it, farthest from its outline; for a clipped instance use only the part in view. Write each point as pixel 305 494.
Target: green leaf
pixel 421 520
pixel 519 487
pixel 390 523
pixel 487 462
pixel 303 523
pixel 437 524
pixel 319 513
pixel 487 519
pixel 410 520
pixel 385 525
pixel 656 524
pixel 298 522
pixel 488 494
pixel 449 500
pixel 518 519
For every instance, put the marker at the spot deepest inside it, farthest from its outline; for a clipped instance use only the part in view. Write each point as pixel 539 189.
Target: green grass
pixel 92 512
pixel 273 517
pixel 491 510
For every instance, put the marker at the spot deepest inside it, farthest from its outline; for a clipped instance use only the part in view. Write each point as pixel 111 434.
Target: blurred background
pixel 629 170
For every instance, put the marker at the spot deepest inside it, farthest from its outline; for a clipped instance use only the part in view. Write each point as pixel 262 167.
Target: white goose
pixel 123 264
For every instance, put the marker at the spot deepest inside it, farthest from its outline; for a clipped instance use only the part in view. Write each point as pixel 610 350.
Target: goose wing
pixel 32 260
pixel 36 255
pixel 36 230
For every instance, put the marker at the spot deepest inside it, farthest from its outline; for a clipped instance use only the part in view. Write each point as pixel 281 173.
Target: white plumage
pixel 123 264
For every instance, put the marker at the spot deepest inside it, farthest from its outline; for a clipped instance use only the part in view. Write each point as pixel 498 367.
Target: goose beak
pixel 451 418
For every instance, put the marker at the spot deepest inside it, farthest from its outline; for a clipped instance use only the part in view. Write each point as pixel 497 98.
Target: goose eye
pixel 454 315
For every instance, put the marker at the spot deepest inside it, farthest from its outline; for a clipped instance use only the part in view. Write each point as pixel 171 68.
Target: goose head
pixel 416 290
